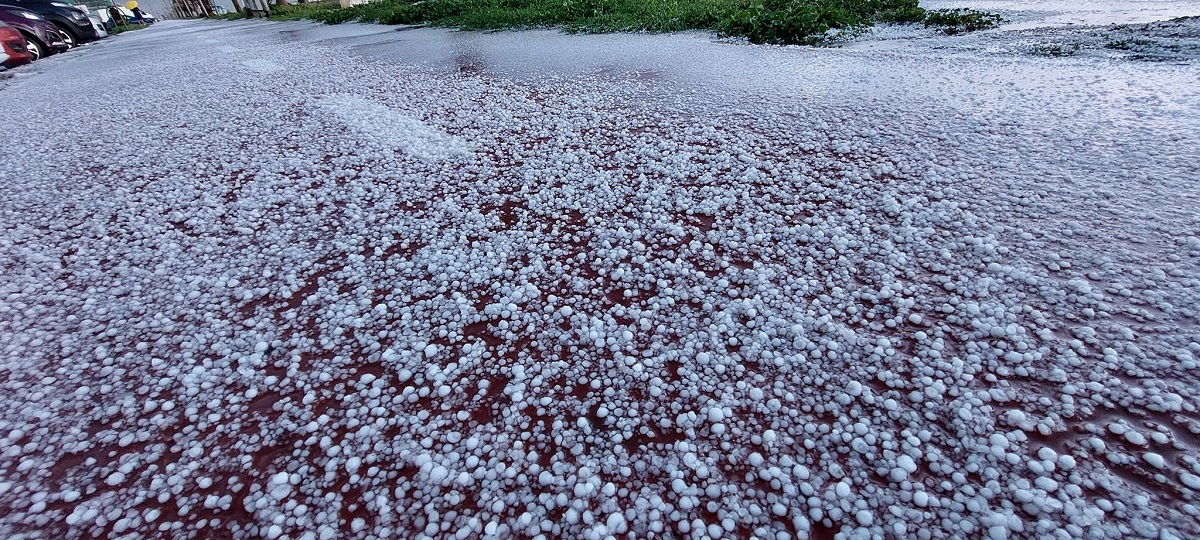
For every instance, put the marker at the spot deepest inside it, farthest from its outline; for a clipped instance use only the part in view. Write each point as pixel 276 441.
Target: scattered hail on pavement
pixel 280 294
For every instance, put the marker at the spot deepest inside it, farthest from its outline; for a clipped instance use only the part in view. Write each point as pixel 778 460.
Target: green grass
pixel 954 21
pixel 759 21
pixel 572 15
pixel 121 28
pixel 302 11
pixel 790 21
pixel 290 12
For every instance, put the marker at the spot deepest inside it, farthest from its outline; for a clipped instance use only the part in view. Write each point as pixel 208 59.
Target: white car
pixel 146 17
pixel 97 19
pixel 98 25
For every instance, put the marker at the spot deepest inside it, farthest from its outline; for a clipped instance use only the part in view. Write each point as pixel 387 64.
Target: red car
pixel 12 44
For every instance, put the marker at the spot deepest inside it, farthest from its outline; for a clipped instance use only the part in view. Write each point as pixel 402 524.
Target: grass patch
pixel 759 21
pixel 572 15
pixel 122 28
pixel 296 12
pixel 955 21
pixel 789 21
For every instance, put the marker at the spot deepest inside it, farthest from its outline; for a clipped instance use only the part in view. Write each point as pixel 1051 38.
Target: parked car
pixel 132 17
pixel 98 25
pixel 58 40
pixel 12 43
pixel 72 21
pixel 41 37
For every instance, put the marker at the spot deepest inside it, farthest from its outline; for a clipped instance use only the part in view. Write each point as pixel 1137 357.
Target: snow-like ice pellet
pixel 439 290
pixel 385 125
pixel 1135 437
pixel 264 67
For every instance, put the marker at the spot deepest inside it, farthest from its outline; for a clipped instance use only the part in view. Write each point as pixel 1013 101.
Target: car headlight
pixel 78 15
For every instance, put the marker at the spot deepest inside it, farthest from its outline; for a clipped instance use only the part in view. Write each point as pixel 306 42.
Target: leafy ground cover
pixel 759 21
pixel 122 28
pixel 953 21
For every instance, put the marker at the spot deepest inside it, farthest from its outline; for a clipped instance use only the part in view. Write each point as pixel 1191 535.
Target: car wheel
pixel 68 36
pixel 35 47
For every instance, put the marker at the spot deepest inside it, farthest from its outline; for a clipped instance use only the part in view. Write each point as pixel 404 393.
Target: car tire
pixel 69 35
pixel 35 47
